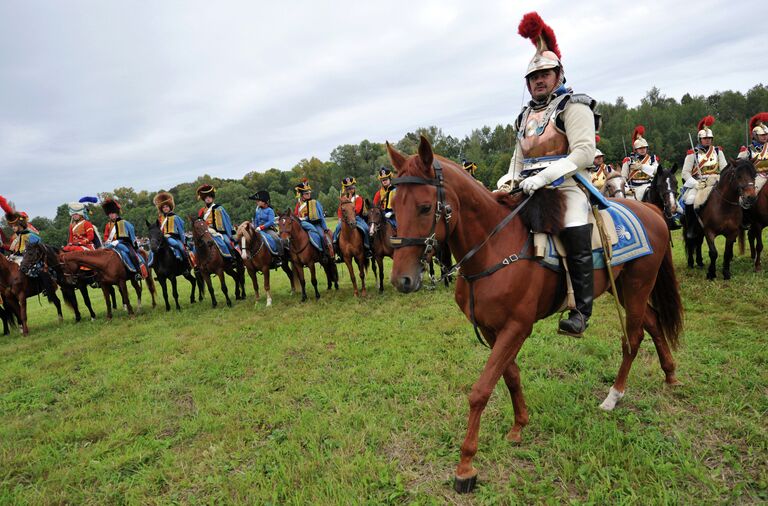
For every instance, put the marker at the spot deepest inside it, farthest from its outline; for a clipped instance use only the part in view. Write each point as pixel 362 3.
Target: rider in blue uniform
pixel 120 235
pixel 310 213
pixel 264 222
pixel 217 218
pixel 171 225
pixel 349 189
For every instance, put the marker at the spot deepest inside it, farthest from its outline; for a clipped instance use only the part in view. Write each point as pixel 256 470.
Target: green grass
pixel 346 401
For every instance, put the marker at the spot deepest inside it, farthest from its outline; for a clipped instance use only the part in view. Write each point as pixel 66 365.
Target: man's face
pixel 706 141
pixel 17 228
pixel 542 83
pixel 386 182
pixel 208 200
pixel 306 195
pixel 77 217
pixel 166 209
pixel 762 138
pixel 642 151
pixel 599 160
pixel 261 203
pixel 113 216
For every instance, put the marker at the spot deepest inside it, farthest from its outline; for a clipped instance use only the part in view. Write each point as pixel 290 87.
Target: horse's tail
pixel 742 233
pixel 665 299
pixel 68 294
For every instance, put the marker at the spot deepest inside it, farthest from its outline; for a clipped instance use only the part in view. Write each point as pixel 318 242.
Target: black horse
pixel 167 266
pixel 41 261
pixel 662 193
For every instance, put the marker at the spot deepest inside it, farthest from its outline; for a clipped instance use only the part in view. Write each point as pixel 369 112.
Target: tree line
pixel 667 122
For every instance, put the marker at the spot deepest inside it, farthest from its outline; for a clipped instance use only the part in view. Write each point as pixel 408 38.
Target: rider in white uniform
pixel 639 168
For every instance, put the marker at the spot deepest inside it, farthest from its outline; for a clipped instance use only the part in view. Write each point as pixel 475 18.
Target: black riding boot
pixel 578 247
pixel 690 222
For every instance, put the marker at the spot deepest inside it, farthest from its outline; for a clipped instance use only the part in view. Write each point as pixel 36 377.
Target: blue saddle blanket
pixel 270 242
pixel 362 226
pixel 223 248
pixel 633 240
pixel 123 252
pixel 315 236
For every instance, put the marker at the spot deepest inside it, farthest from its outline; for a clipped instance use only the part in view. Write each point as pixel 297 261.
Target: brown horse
pixel 505 291
pixel 257 258
pixel 110 271
pixel 303 254
pixel 16 287
pixel 759 220
pixel 211 261
pixel 351 245
pixel 381 230
pixel 615 187
pixel 721 214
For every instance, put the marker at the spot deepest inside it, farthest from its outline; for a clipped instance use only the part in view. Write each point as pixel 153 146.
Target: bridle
pixel 353 223
pixel 289 233
pixel 663 194
pixel 740 188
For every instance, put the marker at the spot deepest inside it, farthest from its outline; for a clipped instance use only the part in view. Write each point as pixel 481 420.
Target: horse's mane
pixel 613 175
pixel 545 212
pixel 737 166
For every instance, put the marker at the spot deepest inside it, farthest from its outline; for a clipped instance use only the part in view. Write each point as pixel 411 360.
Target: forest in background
pixel 668 123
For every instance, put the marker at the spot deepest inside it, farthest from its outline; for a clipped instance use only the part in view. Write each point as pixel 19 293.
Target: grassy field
pixel 345 401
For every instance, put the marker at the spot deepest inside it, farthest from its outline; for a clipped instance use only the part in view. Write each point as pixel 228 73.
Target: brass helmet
pixel 542 36
pixel 637 138
pixel 758 124
pixel 704 124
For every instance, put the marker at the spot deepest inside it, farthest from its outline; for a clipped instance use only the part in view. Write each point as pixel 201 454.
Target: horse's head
pixel 33 261
pixel 421 204
pixel 244 235
pixel 739 176
pixel 375 218
pixel 615 186
pixel 665 185
pixel 199 228
pixel 156 236
pixel 347 211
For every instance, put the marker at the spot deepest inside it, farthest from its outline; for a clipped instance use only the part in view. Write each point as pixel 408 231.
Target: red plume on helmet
pixel 639 132
pixel 6 206
pixel 761 117
pixel 706 121
pixel 532 26
pixel 597 138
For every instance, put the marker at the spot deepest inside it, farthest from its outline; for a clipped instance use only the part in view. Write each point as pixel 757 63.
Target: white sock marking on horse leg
pixel 269 299
pixel 611 400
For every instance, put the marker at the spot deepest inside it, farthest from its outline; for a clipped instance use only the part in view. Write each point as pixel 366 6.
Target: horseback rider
pixel 171 225
pixel 757 151
pixel 701 168
pixel 120 235
pixel 600 170
pixel 219 223
pixel 264 222
pixel 556 143
pixel 639 167
pixel 23 234
pixel 82 234
pixel 310 213
pixel 349 190
pixel 385 196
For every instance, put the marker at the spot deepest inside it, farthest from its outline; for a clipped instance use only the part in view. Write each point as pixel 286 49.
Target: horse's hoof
pixel 673 382
pixel 611 400
pixel 515 435
pixel 465 485
pixel 726 276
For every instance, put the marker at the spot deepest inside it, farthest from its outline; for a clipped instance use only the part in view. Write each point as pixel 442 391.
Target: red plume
pixel 761 117
pixel 304 180
pixel 597 138
pixel 6 206
pixel 639 132
pixel 531 26
pixel 706 121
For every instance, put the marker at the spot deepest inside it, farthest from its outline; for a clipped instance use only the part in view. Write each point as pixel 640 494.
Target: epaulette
pixel 690 152
pixel 200 212
pixel 626 160
pixel 583 98
pixel 742 149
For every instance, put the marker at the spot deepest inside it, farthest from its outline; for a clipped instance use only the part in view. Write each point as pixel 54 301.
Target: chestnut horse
pixel 110 271
pixel 40 256
pixel 16 287
pixel 211 261
pixel 504 291
pixel 615 187
pixel 257 258
pixel 759 220
pixel 381 230
pixel 351 245
pixel 721 214
pixel 303 254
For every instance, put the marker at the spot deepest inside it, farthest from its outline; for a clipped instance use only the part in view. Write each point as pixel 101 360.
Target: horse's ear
pixel 425 153
pixel 397 159
pixel 674 168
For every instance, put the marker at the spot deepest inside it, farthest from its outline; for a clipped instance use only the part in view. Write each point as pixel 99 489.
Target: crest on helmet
pixel 11 215
pixel 597 151
pixel 638 141
pixel 303 186
pixel 543 37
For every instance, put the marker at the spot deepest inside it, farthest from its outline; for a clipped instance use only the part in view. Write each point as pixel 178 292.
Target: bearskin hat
pixel 110 205
pixel 163 199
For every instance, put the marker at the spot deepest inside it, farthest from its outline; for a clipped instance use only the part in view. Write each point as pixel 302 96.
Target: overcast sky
pixel 100 94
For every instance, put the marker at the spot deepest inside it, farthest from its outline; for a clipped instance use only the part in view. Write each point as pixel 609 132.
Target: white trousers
pixel 640 190
pixel 760 181
pixel 690 196
pixel 577 207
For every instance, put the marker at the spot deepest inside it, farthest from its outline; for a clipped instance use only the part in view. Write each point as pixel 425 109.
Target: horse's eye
pixel 425 209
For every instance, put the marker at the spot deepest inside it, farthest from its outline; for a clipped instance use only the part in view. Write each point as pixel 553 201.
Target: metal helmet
pixel 704 124
pixel 543 37
pixel 637 138
pixel 598 153
pixel 758 124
